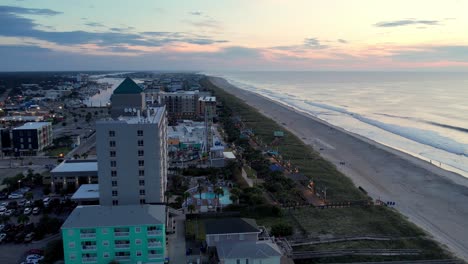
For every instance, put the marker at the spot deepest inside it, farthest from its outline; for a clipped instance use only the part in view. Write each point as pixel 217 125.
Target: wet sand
pixel 434 199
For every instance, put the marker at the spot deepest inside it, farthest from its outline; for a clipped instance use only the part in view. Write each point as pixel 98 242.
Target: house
pixel 249 252
pixel 127 234
pixel 236 241
pixel 70 174
pixel 230 230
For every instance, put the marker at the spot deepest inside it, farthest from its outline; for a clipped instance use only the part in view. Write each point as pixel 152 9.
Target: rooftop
pixel 231 226
pixel 76 166
pixel 128 86
pixel 33 125
pixel 87 192
pixel 247 249
pixel 122 215
pixel 153 115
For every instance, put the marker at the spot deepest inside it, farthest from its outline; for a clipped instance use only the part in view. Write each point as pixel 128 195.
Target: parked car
pixel 19 238
pixel 15 196
pixel 2 237
pixel 36 211
pixel 9 212
pixel 1 227
pixel 29 237
pixel 46 201
pixel 22 202
pixel 28 203
pixel 3 195
pixel 12 205
pixel 27 211
pixel 33 258
pixel 2 210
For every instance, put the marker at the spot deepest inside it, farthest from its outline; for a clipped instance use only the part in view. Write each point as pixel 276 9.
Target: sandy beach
pixel 434 199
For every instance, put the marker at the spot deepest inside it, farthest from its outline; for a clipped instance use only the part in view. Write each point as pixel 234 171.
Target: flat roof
pixel 229 155
pixel 76 166
pixel 32 125
pixel 93 216
pixel 230 226
pixel 247 249
pixel 87 192
pixel 156 115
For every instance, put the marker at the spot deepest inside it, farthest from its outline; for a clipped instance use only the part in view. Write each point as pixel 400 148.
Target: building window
pixel 113 163
pixel 246 261
pixel 113 173
pixel 111 133
pixel 105 230
pixel 138 241
pixel 142 201
pixel 237 261
pixel 72 256
pixel 115 202
pixel 141 173
pixel 105 243
pixel 114 183
pixel 112 153
pixel 142 192
pixel 142 182
pixel 71 232
pixel 141 163
pixel 106 254
pixel 137 229
pixel 138 253
pixel 141 153
pixel 140 133
pixel 71 245
pixel 112 144
pixel 114 193
pixel 140 143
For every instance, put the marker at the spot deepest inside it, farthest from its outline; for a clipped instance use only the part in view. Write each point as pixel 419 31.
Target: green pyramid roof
pixel 128 86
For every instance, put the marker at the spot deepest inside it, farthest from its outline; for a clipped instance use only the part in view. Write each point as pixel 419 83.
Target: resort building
pixel 31 138
pixel 128 96
pixel 132 157
pixel 126 234
pixel 180 105
pixel 206 104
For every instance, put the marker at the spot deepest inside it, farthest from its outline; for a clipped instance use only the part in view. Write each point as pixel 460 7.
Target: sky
pixel 224 35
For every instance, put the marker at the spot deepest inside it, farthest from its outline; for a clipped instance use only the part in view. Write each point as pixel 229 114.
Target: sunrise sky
pixel 233 35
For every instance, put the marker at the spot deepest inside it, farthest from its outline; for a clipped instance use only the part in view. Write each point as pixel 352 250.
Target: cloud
pixel 314 43
pixel 94 24
pixel 407 22
pixel 206 23
pixel 196 13
pixel 27 11
pixel 343 41
pixel 12 24
pixel 433 54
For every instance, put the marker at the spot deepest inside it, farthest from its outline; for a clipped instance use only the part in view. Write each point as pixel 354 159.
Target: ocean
pixel 424 114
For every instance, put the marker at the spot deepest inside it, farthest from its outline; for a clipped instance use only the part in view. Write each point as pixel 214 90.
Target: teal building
pixel 126 234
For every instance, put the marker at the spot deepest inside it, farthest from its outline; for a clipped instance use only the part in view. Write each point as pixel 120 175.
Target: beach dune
pixel 434 199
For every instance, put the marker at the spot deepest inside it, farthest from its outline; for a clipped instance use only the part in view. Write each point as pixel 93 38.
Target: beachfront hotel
pixel 132 151
pixel 126 234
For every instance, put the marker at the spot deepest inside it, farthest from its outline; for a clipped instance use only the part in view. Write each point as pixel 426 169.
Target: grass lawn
pixel 56 151
pixel 251 173
pixel 195 228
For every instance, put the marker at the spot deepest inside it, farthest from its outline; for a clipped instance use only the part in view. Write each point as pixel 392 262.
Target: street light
pixel 19 184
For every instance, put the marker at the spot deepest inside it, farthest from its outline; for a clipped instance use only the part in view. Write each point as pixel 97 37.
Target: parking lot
pixel 30 224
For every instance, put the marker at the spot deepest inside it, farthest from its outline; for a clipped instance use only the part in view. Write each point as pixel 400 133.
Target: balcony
pixel 121 234
pixel 122 258
pixel 155 233
pixel 154 244
pixel 89 247
pixel 88 235
pixel 155 256
pixel 122 246
pixel 89 260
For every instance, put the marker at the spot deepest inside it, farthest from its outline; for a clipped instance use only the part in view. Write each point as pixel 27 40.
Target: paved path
pixel 176 245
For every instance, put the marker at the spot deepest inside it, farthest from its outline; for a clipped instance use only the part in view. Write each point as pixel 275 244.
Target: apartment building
pixel 126 234
pixel 31 138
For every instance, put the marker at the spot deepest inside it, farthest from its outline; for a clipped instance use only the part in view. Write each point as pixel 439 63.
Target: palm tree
pixel 234 198
pixel 23 219
pixel 76 156
pixel 218 192
pixel 191 208
pixel 186 195
pixel 29 196
pixel 84 155
pixel 236 191
pixel 200 190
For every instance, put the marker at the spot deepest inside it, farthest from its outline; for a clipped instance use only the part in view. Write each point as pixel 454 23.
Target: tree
pixel 199 189
pixel 219 192
pixel 84 155
pixel 23 219
pixel 76 156
pixel 5 219
pixel 281 229
pixel 191 208
pixel 234 198
pixel 53 251
pixel 29 196
pixel 186 195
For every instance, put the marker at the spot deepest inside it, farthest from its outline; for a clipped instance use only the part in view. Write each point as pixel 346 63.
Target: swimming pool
pixel 223 199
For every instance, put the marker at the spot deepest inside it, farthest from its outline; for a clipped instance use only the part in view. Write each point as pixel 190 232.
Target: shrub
pixel 281 229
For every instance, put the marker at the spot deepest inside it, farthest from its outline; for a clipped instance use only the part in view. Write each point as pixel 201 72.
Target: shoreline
pixel 431 197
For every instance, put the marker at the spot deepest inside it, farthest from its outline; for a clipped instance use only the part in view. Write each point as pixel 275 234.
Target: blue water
pixel 224 199
pixel 421 113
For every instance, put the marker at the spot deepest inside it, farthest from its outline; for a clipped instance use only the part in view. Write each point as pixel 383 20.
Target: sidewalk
pixel 176 241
